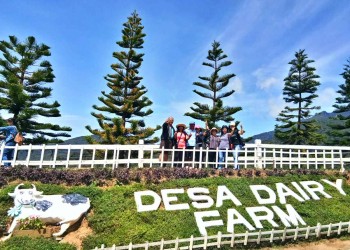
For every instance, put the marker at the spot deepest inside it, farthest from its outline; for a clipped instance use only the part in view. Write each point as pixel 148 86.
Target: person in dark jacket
pixel 236 142
pixel 167 137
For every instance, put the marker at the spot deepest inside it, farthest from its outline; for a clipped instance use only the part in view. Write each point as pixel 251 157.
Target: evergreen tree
pixel 340 130
pixel 299 89
pixel 24 71
pixel 215 84
pixel 126 98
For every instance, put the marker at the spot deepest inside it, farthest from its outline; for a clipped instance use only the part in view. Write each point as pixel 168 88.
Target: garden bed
pixel 115 220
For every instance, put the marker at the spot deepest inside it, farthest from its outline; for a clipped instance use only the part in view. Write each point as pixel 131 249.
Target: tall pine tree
pixel 24 74
pixel 340 130
pixel 215 85
pixel 299 89
pixel 126 99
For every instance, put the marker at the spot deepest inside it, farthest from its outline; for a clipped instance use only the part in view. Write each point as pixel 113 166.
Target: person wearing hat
pixel 224 144
pixel 236 142
pixel 191 142
pixel 214 141
pixel 180 139
pixel 10 133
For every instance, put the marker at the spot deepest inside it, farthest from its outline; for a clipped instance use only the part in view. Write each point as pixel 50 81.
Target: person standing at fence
pixel 236 142
pixel 10 133
pixel 201 138
pixel 167 137
pixel 213 144
pixel 224 144
pixel 191 142
pixel 180 138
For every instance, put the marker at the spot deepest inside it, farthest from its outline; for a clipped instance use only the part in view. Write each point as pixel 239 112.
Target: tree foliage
pixel 340 129
pixel 24 74
pixel 299 90
pixel 126 100
pixel 215 86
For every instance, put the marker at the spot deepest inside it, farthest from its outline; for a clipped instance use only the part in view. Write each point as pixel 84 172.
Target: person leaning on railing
pixel 167 137
pixel 180 138
pixel 224 144
pixel 236 142
pixel 201 139
pixel 10 133
pixel 213 144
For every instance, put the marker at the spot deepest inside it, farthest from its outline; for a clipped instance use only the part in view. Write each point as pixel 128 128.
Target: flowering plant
pixel 31 222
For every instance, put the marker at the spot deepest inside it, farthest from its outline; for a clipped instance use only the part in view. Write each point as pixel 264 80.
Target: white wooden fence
pixel 255 155
pixel 273 236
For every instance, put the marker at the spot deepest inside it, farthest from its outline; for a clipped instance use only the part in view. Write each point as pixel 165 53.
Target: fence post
pixel 2 153
pixel 271 236
pixel 15 155
pixel 140 156
pixel 162 244
pixel 246 238
pixel 219 239
pixel 339 228
pixel 232 239
pixel 176 243
pixel 205 243
pixel 341 161
pixel 28 155
pixel 258 153
pixel 318 230
pixel 191 243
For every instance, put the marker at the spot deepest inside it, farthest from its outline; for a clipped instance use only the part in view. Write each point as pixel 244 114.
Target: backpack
pixel 19 138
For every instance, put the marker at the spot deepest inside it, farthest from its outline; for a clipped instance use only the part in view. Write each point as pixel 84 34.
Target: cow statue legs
pixel 66 224
pixel 64 228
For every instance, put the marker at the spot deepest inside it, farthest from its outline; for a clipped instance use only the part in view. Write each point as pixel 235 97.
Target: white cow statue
pixel 64 210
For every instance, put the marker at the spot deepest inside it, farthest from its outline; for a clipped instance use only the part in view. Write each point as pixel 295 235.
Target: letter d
pixel 151 207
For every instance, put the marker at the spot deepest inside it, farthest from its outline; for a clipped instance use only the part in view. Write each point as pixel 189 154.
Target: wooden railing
pixel 219 240
pixel 255 155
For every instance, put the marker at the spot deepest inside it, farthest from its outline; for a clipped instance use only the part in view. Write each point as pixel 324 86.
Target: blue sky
pixel 259 36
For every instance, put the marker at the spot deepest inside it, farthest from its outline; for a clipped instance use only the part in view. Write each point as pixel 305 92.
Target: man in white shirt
pixel 191 142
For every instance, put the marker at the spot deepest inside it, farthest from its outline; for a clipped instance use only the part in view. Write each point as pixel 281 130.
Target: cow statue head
pixel 25 197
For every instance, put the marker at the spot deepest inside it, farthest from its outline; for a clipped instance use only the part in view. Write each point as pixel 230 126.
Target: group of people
pixel 197 137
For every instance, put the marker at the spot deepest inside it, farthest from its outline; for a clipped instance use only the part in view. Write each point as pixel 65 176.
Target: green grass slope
pixel 115 220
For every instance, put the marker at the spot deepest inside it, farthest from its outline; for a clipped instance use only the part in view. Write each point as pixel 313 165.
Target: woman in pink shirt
pixel 180 138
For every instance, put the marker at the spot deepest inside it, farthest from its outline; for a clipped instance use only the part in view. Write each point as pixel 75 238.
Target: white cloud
pixel 275 106
pixel 326 99
pixel 266 77
pixel 268 83
pixel 237 85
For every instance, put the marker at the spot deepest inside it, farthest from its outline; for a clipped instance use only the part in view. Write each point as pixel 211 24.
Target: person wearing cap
pixel 191 142
pixel 236 142
pixel 10 133
pixel 180 139
pixel 214 141
pixel 224 144
pixel 167 137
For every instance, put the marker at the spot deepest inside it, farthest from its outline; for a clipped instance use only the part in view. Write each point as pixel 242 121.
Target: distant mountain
pixel 266 137
pixel 78 140
pixel 322 118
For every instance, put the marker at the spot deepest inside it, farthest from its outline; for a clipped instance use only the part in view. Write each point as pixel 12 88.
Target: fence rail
pixel 273 236
pixel 255 155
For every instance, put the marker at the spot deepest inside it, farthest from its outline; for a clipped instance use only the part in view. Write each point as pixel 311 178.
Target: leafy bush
pixel 20 243
pixel 31 222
